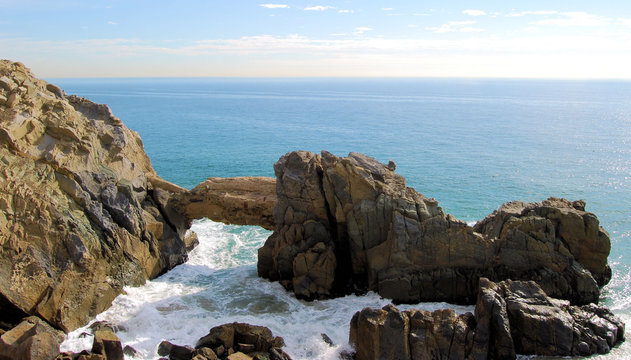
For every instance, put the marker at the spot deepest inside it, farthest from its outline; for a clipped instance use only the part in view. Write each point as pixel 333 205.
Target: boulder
pixel 511 317
pixel 240 200
pixel 350 224
pixel 380 334
pixel 106 343
pixel 82 211
pixel 241 336
pixel 32 339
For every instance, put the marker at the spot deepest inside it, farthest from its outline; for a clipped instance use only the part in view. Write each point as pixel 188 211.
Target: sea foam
pixel 219 284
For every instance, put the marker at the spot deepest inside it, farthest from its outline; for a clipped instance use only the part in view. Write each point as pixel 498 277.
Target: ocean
pixel 472 144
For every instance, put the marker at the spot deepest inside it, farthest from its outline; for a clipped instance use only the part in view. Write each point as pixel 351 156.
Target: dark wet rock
pixel 129 351
pixel 230 341
pixel 511 317
pixel 350 224
pixel 327 340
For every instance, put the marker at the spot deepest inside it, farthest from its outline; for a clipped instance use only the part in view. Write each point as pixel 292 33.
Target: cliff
pixel 82 211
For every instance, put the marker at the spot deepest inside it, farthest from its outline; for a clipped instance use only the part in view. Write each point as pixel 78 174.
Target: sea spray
pixel 219 285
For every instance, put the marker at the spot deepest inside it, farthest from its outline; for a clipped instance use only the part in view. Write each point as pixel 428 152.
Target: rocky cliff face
pixel 351 224
pixel 82 212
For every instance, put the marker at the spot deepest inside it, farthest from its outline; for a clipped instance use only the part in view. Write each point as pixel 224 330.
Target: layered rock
pixel 240 200
pixel 32 339
pixel 511 317
pixel 82 212
pixel 351 224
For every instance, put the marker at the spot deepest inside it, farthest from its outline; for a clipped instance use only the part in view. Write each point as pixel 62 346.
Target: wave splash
pixel 218 285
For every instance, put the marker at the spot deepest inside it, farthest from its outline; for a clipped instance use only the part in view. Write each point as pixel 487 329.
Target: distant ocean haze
pixel 471 144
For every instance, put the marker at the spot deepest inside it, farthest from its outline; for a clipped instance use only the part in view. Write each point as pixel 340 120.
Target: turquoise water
pixel 471 144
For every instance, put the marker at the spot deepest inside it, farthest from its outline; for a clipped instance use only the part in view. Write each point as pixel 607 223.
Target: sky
pixel 579 39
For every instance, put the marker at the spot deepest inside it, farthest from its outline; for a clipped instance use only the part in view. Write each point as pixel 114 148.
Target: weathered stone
pixel 380 334
pixel 441 334
pixel 510 317
pixel 240 200
pixel 244 337
pixel 492 334
pixel 351 224
pixel 32 339
pixel 106 343
pixel 181 352
pixel 239 356
pixel 129 351
pixel 78 215
pixel 206 353
pixel 164 348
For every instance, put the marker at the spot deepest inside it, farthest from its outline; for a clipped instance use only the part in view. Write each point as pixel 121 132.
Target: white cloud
pixel 346 11
pixel 470 30
pixel 575 19
pixel 387 9
pixel 412 26
pixel 623 22
pixel 275 6
pixel 474 12
pixel 361 30
pixel 112 23
pixel 420 14
pixel 319 8
pixel 452 26
pixel 536 12
pixel 544 56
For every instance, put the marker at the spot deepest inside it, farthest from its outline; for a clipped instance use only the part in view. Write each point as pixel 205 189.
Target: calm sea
pixel 471 144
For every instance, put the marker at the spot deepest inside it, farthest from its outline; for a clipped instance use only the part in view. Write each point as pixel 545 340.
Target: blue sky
pixel 108 38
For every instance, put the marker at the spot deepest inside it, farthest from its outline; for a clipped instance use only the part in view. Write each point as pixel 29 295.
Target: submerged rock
pixel 511 317
pixel 82 212
pixel 350 224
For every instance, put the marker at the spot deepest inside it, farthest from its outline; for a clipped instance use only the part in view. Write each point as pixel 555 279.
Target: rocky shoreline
pixel 83 213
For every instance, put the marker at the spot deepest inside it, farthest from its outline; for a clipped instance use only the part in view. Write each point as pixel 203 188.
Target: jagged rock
pixel 32 339
pixel 493 337
pixel 178 352
pixel 129 351
pixel 510 317
pixel 351 224
pixel 236 340
pixel 107 344
pixel 541 325
pixel 240 200
pixel 380 334
pixel 80 215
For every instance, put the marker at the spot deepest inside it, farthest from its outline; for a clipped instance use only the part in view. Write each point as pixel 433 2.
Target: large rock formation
pixel 82 212
pixel 351 224
pixel 239 200
pixel 511 317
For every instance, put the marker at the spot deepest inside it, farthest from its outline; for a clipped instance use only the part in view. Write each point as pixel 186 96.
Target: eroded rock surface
pixel 32 339
pixel 240 200
pixel 347 224
pixel 511 317
pixel 82 212
pixel 234 341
